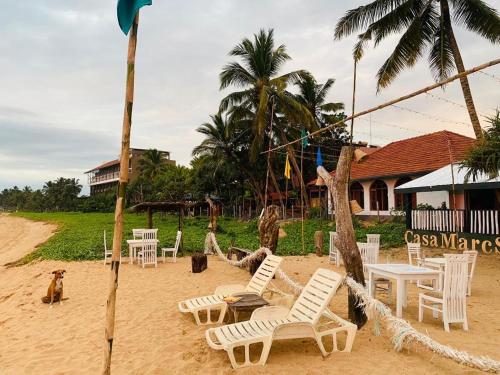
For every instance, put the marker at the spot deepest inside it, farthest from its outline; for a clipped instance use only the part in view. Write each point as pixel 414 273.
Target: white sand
pixel 152 337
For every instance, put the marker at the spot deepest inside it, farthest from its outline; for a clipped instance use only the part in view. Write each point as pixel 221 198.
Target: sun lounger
pixel 278 323
pixel 214 302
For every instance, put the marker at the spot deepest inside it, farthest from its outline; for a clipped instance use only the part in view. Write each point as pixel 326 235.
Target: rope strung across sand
pixel 403 332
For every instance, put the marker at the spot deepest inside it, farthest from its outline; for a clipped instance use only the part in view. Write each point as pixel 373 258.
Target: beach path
pixel 20 236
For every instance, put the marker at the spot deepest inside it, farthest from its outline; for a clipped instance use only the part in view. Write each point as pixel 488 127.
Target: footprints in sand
pixel 5 298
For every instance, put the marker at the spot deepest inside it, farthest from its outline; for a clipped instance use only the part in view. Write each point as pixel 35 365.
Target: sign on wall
pixel 455 241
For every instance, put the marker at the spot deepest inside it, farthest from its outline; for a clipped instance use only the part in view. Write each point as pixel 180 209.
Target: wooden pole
pixel 302 196
pixel 118 229
pixel 150 218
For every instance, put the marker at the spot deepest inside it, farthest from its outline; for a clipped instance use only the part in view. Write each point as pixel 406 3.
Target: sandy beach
pixel 152 337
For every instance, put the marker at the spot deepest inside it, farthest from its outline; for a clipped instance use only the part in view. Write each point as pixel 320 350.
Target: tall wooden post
pixel 118 229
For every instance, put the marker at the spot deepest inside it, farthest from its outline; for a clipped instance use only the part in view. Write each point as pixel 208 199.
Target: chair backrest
pixel 414 253
pixel 137 233
pixel 149 234
pixel 472 258
pixel 178 240
pixel 369 253
pixel 373 238
pixel 264 274
pixel 149 249
pixel 315 296
pixel 455 284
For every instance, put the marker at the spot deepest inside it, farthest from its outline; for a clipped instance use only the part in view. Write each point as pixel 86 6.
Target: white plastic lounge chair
pixel 214 302
pixel 108 253
pixel 278 323
pixel 335 257
pixel 174 249
pixel 147 255
pixel 452 298
pixel 472 265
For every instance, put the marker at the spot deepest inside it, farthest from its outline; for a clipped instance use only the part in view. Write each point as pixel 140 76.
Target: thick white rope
pixel 403 332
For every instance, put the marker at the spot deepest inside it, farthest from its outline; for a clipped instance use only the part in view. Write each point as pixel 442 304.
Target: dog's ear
pixel 63 271
pixel 54 271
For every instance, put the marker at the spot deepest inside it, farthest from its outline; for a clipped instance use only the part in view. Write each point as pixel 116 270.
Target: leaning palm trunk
pixel 118 230
pixel 464 81
pixel 346 240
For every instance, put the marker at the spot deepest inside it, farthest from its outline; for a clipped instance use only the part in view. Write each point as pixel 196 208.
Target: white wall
pixel 434 198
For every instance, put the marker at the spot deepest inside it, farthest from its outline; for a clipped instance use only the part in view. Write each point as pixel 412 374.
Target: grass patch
pixel 80 235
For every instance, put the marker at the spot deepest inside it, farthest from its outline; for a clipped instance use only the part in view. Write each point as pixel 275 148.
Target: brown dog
pixel 55 291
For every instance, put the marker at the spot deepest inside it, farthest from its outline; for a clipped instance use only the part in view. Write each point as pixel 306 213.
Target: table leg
pixel 405 300
pixel 400 286
pixel 130 255
pixel 370 284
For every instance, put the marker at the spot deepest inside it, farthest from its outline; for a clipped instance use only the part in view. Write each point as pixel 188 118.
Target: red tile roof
pixel 418 155
pixel 105 165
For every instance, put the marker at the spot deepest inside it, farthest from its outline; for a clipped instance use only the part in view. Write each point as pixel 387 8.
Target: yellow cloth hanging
pixel 287 169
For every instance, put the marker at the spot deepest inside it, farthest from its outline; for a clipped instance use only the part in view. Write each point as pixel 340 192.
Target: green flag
pixel 126 11
pixel 305 141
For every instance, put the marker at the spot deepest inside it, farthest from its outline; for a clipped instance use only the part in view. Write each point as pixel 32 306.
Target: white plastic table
pixel 438 263
pixel 133 245
pixel 402 273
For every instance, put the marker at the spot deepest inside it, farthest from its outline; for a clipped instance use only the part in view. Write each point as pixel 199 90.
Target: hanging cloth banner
pixel 287 169
pixel 126 11
pixel 319 159
pixel 305 141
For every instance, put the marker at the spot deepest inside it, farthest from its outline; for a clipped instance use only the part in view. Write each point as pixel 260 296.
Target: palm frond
pixel 235 74
pixel 441 59
pixel 478 17
pixel 410 47
pixel 361 17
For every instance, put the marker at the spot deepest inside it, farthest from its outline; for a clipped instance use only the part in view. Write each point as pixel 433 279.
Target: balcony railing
pixel 104 177
pixel 465 221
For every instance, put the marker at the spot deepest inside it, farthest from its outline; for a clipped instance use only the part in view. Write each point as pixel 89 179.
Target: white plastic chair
pixel 108 254
pixel 335 256
pixel 278 323
pixel 147 255
pixel 174 249
pixel 453 297
pixel 369 255
pixel 471 267
pixel 373 239
pixel 414 254
pixel 137 233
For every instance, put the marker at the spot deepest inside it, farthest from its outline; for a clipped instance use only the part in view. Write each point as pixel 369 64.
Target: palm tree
pixel 312 95
pixel 484 158
pixel 425 25
pixel 226 143
pixel 152 164
pixel 263 89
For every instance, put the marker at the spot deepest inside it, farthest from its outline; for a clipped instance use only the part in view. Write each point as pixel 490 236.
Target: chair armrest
pixel 229 289
pixel 269 313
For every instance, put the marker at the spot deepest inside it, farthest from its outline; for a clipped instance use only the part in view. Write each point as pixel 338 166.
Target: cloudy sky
pixel 62 77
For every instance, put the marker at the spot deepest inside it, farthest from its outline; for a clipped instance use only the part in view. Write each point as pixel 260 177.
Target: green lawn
pixel 80 234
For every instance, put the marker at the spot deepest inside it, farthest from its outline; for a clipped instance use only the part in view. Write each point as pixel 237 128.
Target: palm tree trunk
pixel 276 185
pixel 464 82
pixel 118 229
pixel 295 165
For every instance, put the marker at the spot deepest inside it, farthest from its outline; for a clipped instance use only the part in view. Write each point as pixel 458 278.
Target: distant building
pixel 104 177
pixel 377 172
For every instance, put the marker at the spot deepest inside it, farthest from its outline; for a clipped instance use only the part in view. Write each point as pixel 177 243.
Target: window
pixel 399 198
pixel 357 193
pixel 378 196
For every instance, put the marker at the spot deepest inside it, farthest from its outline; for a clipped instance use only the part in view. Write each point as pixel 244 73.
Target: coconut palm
pixel 426 25
pixel 263 87
pixel 152 164
pixel 484 158
pixel 313 96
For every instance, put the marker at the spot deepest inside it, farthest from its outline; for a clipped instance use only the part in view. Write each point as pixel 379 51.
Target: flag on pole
pixel 287 169
pixel 126 11
pixel 319 159
pixel 305 141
